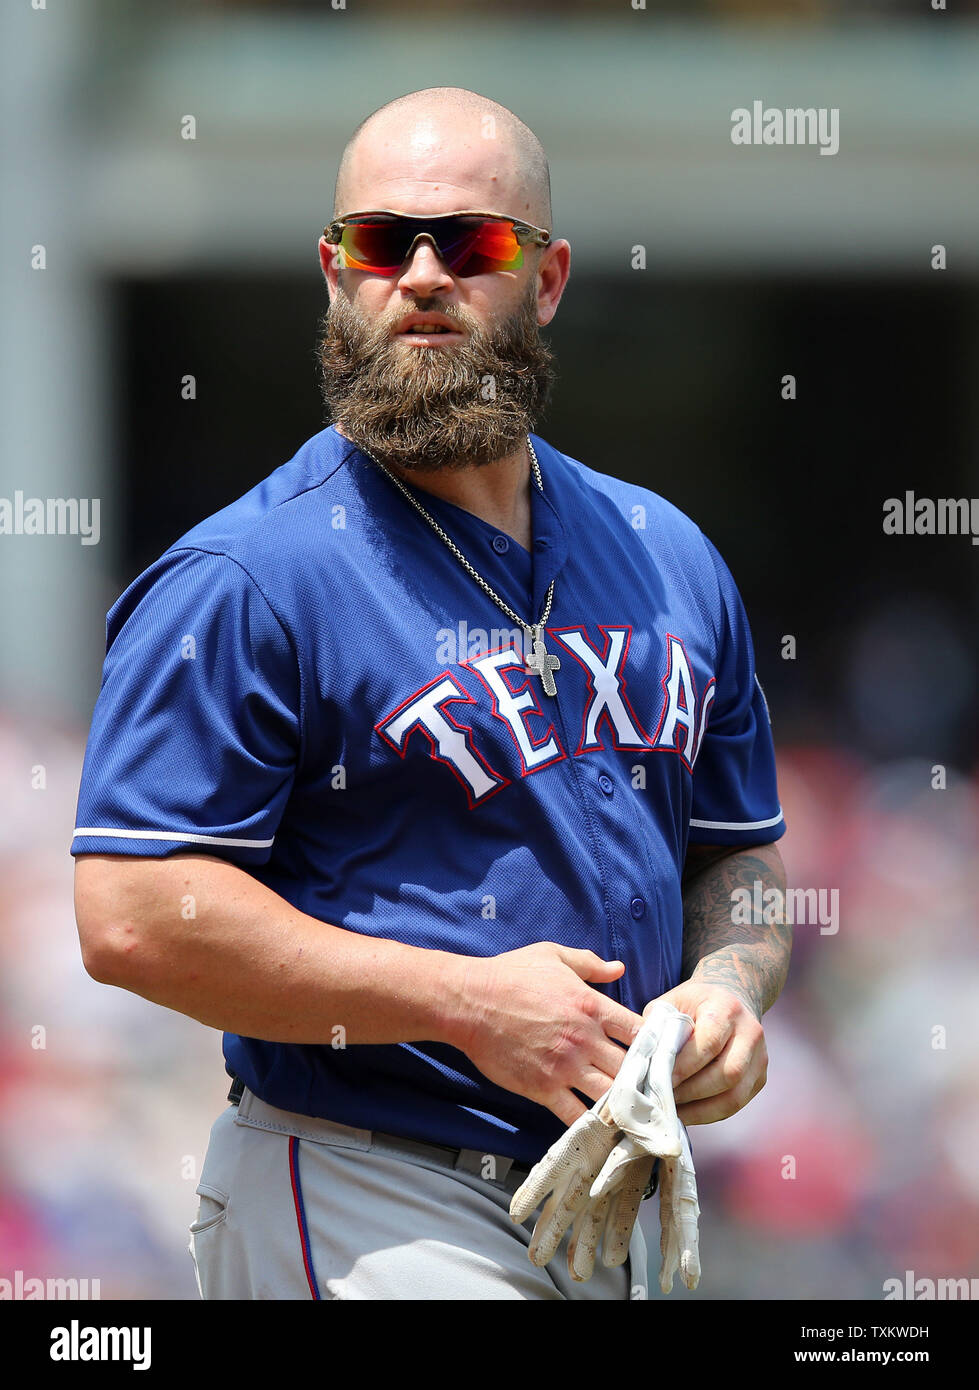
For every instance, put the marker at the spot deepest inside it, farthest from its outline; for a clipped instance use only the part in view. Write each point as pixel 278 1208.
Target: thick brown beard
pixel 428 408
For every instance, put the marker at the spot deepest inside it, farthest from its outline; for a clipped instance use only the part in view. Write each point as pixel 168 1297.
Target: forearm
pixel 247 962
pixel 751 959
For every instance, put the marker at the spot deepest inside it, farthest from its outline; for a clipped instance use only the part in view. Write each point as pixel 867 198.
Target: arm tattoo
pixel 719 947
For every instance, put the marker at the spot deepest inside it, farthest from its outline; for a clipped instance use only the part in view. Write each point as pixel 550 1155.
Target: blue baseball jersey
pixel 310 685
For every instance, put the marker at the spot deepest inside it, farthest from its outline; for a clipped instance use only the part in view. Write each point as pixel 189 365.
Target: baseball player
pixel 426 770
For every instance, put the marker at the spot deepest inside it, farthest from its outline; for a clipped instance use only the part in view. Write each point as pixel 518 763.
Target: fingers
pixel 593 1079
pixel 607 1056
pixel 618 1022
pixel 538 1187
pixel 707 1112
pixel 555 1218
pixel 623 1212
pixel 566 1106
pixel 679 1212
pixel 608 1221
pixel 593 1082
pixel 712 1028
pixel 559 1171
pixel 740 1058
pixel 712 1080
pixel 588 965
pixel 726 1102
pixel 624 1159
pixel 725 1062
pixel 586 1237
pixel 569 1197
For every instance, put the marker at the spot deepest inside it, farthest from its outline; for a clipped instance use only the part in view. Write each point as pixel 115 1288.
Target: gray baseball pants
pixel 293 1207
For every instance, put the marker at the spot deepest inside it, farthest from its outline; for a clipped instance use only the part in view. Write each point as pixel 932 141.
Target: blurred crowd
pixel 854 1165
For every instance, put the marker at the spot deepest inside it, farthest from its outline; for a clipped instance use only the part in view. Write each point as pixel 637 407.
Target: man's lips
pixel 432 328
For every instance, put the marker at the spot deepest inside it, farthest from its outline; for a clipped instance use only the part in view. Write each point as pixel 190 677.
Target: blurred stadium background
pixel 167 257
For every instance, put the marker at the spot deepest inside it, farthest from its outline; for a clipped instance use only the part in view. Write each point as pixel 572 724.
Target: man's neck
pixel 498 492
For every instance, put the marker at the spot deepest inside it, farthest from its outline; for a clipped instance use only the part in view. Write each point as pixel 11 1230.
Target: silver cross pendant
pixel 541 662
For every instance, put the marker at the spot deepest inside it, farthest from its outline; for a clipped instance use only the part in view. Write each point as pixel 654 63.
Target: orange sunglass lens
pixel 468 246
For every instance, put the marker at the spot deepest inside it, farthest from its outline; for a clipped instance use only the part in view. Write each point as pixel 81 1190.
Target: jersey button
pixel 501 545
pixel 605 782
pixel 542 544
pixel 638 908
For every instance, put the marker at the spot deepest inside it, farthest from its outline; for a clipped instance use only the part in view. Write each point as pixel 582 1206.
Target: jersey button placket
pixel 637 906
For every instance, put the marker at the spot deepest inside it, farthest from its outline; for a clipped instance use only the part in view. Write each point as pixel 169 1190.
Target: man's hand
pixel 725 1062
pixel 531 1022
pixel 733 972
pixel 595 1174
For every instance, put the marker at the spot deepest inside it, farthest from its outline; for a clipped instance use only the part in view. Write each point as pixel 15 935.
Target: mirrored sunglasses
pixel 470 243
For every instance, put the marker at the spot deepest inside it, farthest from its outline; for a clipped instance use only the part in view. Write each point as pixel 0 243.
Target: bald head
pixel 444 149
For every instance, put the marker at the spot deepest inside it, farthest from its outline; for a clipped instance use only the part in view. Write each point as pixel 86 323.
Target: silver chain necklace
pixel 542 663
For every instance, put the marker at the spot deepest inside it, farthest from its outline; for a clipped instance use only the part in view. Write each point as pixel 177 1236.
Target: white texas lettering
pixel 450 743
pixel 605 683
pixel 680 707
pixel 681 727
pixel 510 707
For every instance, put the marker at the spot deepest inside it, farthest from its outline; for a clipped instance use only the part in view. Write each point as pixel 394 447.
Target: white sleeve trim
pixel 737 824
pixel 109 833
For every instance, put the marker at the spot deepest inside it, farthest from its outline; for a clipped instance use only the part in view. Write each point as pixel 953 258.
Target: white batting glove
pixel 641 1097
pixel 597 1172
pixel 647 1115
pixel 678 1215
pixel 607 1218
pixel 606 1222
pixel 564 1177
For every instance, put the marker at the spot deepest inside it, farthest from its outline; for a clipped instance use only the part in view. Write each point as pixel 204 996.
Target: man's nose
pixel 424 270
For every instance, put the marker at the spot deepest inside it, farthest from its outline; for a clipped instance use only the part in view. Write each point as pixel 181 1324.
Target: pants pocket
pixel 212 1209
pixel 212 1213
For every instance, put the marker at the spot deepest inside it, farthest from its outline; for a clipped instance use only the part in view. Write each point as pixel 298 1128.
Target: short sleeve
pixel 735 792
pixel 196 731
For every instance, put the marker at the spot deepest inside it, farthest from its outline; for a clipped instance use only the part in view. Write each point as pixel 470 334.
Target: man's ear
pixel 329 266
pixel 552 276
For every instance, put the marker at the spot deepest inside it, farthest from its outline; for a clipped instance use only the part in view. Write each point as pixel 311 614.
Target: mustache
pixel 461 318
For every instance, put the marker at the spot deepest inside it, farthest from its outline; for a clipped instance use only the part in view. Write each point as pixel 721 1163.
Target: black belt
pixel 507 1174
